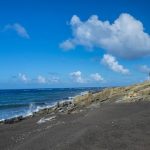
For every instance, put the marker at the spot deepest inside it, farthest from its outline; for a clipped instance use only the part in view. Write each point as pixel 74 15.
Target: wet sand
pixel 108 126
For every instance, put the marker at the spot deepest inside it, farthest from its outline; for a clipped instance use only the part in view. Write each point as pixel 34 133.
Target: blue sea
pixel 26 101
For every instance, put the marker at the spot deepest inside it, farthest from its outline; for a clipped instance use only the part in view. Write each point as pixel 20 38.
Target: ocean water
pixel 26 101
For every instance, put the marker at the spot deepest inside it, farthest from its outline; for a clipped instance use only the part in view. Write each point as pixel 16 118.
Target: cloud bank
pixel 125 37
pixel 78 78
pixel 113 64
pixel 22 77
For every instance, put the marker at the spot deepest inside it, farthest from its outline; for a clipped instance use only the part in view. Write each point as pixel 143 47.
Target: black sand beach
pixel 98 127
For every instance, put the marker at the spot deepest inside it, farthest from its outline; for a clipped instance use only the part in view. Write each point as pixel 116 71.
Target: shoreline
pixel 62 103
pixel 21 117
pixel 126 94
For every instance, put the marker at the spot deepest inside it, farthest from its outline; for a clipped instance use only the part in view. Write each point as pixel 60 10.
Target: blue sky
pixel 74 43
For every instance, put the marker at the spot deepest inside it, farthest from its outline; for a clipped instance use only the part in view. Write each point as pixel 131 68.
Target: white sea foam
pixel 80 94
pixel 43 120
pixel 34 108
pixel 84 93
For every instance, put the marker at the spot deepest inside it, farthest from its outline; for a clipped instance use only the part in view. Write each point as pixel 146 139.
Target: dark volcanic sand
pixel 104 127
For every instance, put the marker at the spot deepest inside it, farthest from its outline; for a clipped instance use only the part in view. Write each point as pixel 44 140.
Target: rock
pixel 13 120
pixel 66 103
pixel 57 105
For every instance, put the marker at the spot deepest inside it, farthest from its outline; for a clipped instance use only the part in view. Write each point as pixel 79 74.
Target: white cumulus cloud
pixel 66 45
pixel 23 77
pixel 41 79
pixel 20 30
pixel 125 37
pixel 113 64
pixel 97 77
pixel 77 77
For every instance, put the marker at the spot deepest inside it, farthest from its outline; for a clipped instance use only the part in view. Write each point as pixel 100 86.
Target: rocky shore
pixel 133 93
